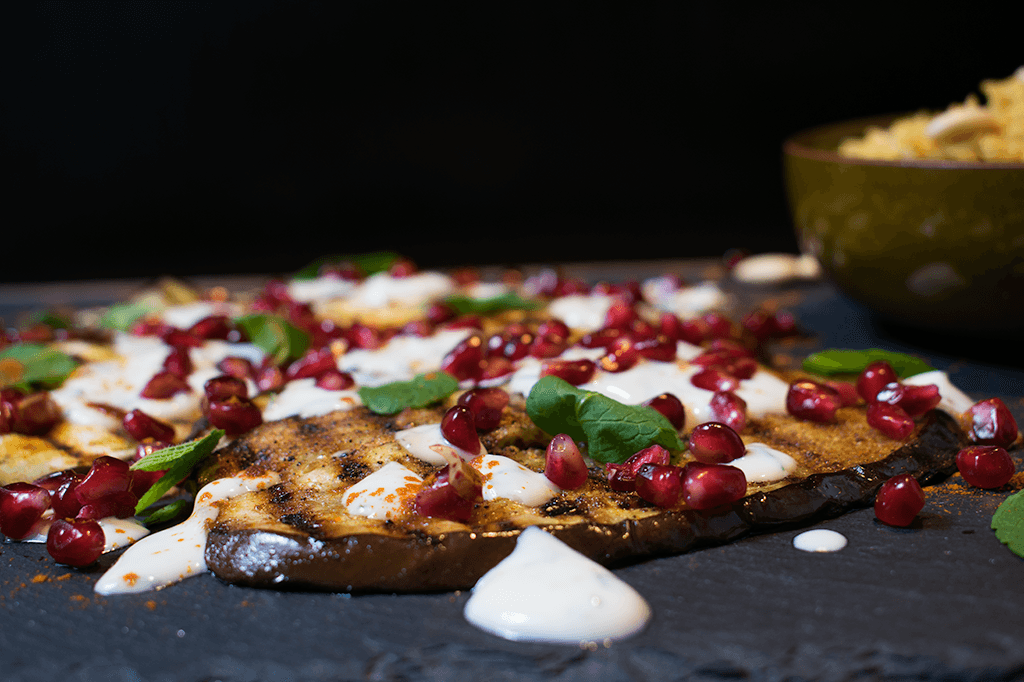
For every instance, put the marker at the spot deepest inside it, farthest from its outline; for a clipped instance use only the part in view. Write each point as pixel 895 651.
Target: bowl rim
pixel 797 145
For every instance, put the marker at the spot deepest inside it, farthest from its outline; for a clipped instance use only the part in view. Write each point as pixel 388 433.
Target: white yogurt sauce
pixel 117 533
pixel 764 464
pixel 384 494
pixel 820 540
pixel 177 553
pixel 401 359
pixel 582 311
pixel 319 289
pixel 689 301
pixel 382 290
pixel 187 314
pixel 505 477
pixel 954 401
pixel 418 440
pixel 303 398
pixel 545 591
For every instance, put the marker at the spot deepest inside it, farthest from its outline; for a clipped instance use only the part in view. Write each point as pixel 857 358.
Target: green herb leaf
pixel 1008 523
pixel 421 391
pixel 278 337
pixel 166 513
pixel 851 361
pixel 464 305
pixel 178 460
pixel 122 316
pixel 40 366
pixel 368 263
pixel 52 319
pixel 613 431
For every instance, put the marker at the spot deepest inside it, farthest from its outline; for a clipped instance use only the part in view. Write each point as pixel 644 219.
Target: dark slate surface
pixel 941 600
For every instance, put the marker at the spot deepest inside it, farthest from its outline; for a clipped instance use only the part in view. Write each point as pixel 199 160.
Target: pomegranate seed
pixel 620 315
pixel 466 276
pixel 710 485
pixel 759 324
pixel 51 482
pixel 439 313
pixel 325 333
pixel 269 377
pixel 563 464
pixel 441 500
pixel 622 355
pixel 464 322
pixel 141 426
pixel 567 287
pixel 603 338
pixel 548 346
pixel 164 385
pixel 554 327
pixel 915 400
pixel 659 348
pixel 107 476
pixel 671 326
pixel 496 367
pixel 75 543
pixel 711 379
pixel 34 415
pixel 276 290
pixel 899 500
pixel 178 362
pixel 985 466
pixel 728 408
pixel 486 405
pixel 420 328
pixel 670 407
pixel 312 364
pixel 223 387
pixel 144 480
pixel 518 346
pixel 302 315
pixel 240 368
pixel 65 500
pixel 847 392
pixel 148 448
pixel 874 378
pixel 660 484
pixel 21 507
pixel 335 380
pixel 991 423
pixel 719 326
pixel 575 372
pixel 715 443
pixel 362 336
pixel 694 331
pixel 465 361
pixel 401 268
pixel 891 420
pixel 730 348
pixel 120 505
pixel 179 338
pixel 458 426
pixel 622 477
pixel 212 327
pixel 234 416
pixel 810 401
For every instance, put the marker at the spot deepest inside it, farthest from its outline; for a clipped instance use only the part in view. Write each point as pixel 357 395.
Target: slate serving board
pixel 940 600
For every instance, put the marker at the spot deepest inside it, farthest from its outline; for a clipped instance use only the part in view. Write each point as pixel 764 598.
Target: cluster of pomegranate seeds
pixel 985 466
pixel 564 464
pixel 899 500
pixel 622 477
pixel 891 420
pixel 142 426
pixel 311 365
pixel 576 372
pixel 458 426
pixel 989 422
pixel 701 486
pixel 227 405
pixel 32 414
pixel 670 407
pixel 812 401
pixel 892 405
pixel 715 443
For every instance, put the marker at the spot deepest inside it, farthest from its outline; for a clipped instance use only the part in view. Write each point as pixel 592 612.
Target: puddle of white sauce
pixel 179 552
pixel 820 540
pixel 384 493
pixel 505 477
pixel 417 441
pixel 764 464
pixel 545 591
pixel 303 398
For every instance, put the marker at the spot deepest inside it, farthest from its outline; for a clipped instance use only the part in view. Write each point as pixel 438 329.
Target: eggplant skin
pixel 396 559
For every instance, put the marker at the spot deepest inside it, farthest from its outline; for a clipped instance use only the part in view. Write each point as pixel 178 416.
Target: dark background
pixel 146 138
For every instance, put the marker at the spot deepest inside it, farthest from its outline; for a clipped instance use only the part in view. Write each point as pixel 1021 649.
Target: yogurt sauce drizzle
pixel 179 552
pixel 820 540
pixel 545 591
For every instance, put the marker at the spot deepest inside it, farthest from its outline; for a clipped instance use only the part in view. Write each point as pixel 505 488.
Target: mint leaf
pixel 178 460
pixel 39 365
pixel 613 431
pixel 465 305
pixel 122 316
pixel 1008 523
pixel 276 336
pixel 421 391
pixel 368 263
pixel 165 513
pixel 851 361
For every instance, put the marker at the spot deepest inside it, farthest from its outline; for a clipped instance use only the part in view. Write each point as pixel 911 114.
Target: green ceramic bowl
pixel 932 244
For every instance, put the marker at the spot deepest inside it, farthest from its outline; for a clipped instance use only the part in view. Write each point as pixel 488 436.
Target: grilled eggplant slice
pixel 299 534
